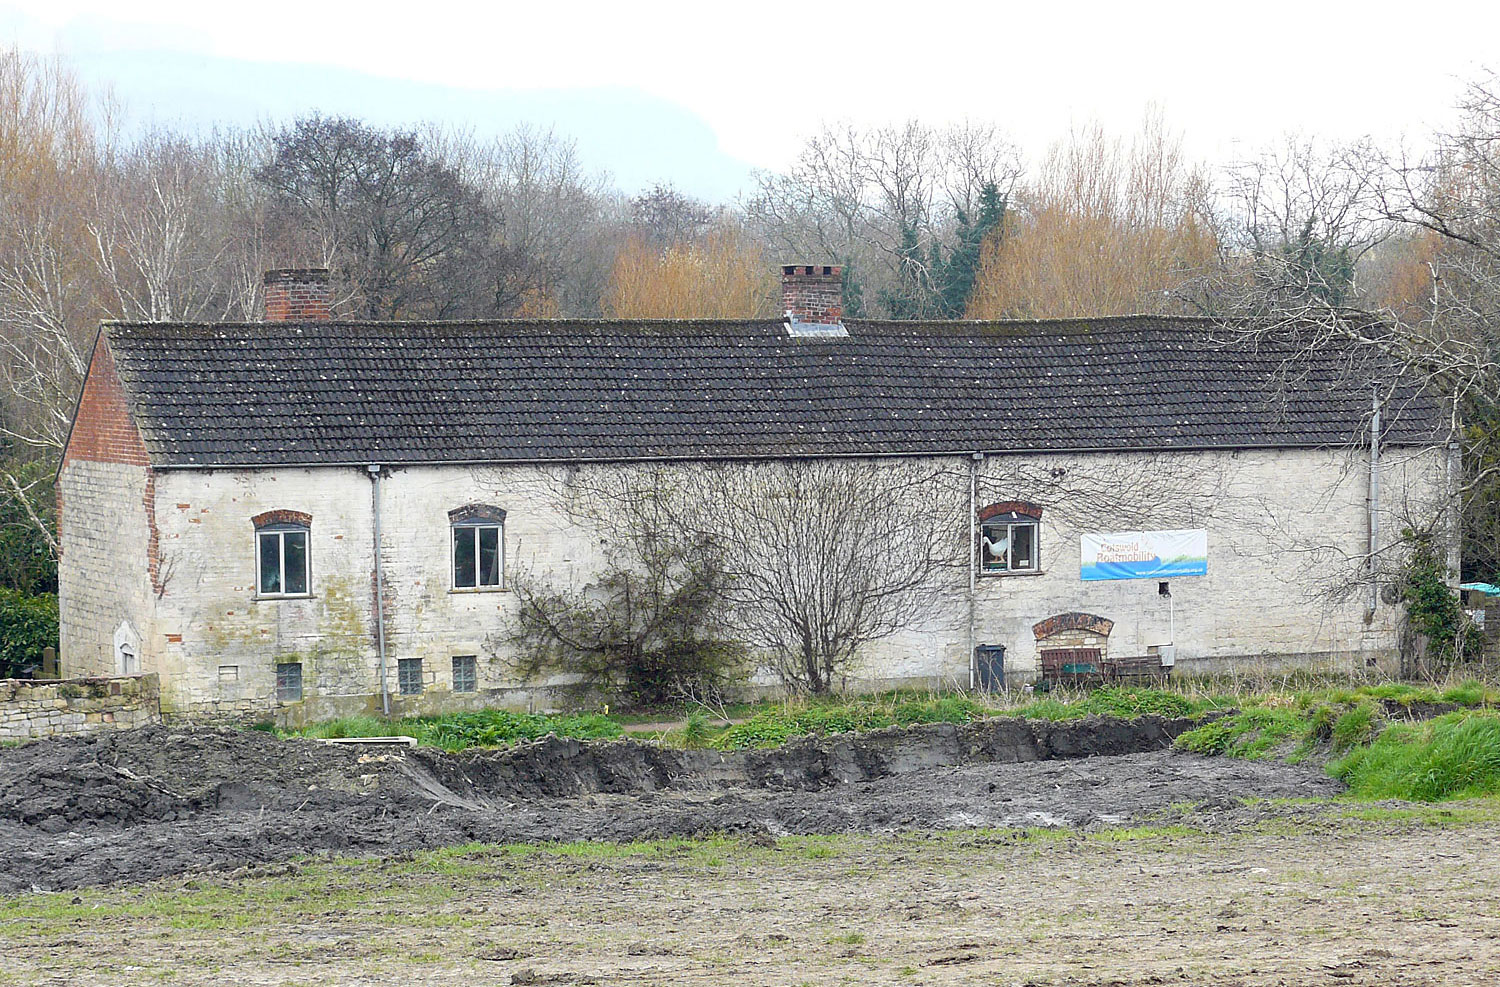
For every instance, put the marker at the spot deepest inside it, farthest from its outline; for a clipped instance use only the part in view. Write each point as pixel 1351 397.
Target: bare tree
pixel 820 557
pixel 404 228
pixel 1106 228
pixel 723 275
pixel 879 200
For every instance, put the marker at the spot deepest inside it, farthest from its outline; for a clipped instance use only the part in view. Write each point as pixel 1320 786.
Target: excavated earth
pixel 135 805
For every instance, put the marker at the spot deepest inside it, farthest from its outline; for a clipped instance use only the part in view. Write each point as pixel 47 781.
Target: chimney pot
pixel 298 295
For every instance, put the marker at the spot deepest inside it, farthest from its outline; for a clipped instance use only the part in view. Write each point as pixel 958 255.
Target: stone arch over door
pixel 1073 637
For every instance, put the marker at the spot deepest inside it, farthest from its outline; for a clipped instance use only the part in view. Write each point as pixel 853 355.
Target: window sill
pixel 1008 574
pixel 469 590
pixel 275 597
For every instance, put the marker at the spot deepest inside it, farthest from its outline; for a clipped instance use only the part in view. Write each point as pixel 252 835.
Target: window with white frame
pixel 478 547
pixel 281 554
pixel 1009 539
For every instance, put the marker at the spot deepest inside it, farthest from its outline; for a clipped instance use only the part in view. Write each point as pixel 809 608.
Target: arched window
pixel 478 547
pixel 282 564
pixel 1010 538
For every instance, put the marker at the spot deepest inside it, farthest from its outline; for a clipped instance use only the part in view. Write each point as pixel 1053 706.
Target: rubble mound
pixel 141 804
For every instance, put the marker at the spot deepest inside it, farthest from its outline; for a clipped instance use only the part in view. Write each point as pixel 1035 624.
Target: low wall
pixel 49 707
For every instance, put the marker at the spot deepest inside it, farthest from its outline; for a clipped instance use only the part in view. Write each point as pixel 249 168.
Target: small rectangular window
pixel 465 673
pixel 409 676
pixel 229 673
pixel 289 682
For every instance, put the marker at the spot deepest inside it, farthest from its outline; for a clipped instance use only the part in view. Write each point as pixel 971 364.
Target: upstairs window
pixel 478 547
pixel 281 553
pixel 1009 538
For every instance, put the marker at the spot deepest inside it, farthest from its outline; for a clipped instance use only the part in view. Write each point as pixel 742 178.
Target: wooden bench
pixel 1086 667
pixel 1136 668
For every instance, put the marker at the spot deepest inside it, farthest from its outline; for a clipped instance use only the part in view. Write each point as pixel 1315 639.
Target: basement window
pixel 478 547
pixel 1009 542
pixel 465 673
pixel 409 676
pixel 281 560
pixel 289 682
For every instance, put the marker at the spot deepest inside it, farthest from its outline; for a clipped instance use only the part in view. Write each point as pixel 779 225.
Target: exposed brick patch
pixel 1010 507
pixel 104 431
pixel 281 516
pixel 476 512
pixel 1058 623
pixel 153 537
pixel 813 293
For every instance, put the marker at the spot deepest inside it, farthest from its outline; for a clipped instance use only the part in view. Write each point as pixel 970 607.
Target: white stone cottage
pixel 232 495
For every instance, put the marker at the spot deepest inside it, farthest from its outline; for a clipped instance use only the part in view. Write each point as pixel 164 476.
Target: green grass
pixel 1453 757
pixel 1291 715
pixel 457 731
pixel 1122 701
pixel 775 726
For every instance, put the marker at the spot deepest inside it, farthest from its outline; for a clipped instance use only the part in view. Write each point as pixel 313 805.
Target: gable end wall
pixel 110 568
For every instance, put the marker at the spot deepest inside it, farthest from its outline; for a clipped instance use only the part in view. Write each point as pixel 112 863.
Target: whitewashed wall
pixel 1277 523
pixel 104 577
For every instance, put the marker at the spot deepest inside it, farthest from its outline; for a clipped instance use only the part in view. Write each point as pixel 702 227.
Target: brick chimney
pixel 297 295
pixel 813 293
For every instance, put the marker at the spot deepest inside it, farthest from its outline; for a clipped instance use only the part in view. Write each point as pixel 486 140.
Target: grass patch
pixel 1124 702
pixel 773 727
pixel 1251 733
pixel 1453 757
pixel 457 731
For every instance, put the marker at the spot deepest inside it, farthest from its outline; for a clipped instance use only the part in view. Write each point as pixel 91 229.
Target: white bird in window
pixel 996 546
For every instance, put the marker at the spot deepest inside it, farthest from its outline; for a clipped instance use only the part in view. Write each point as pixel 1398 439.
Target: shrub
pixel 648 626
pixel 27 625
pixel 1432 608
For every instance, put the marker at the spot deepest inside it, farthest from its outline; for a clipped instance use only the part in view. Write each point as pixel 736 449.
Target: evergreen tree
pixel 911 296
pixel 853 300
pixel 956 277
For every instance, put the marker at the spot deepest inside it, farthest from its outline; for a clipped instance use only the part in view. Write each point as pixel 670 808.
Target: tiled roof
pixel 393 393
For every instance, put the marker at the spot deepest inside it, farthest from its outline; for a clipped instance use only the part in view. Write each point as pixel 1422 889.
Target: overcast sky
pixel 700 92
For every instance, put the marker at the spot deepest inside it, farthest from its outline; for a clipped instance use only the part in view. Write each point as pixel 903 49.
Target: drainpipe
pixel 1374 502
pixel 974 462
pixel 385 693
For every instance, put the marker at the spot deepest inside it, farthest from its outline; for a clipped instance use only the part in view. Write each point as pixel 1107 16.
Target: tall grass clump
pixel 1453 757
pixel 1126 702
pixel 457 731
pixel 773 727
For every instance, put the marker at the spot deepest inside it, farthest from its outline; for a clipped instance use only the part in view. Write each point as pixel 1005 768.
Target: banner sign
pixel 1145 554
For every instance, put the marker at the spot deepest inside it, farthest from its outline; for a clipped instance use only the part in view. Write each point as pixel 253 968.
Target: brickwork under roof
pixel 406 393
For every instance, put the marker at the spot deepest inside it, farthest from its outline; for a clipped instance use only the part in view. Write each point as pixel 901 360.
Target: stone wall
pixel 32 708
pixel 1283 528
pixel 110 572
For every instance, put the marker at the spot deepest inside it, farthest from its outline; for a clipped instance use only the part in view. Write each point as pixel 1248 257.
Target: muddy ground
pixel 138 805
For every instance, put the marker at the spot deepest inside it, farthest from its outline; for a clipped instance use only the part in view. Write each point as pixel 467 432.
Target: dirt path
pixel 1316 900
